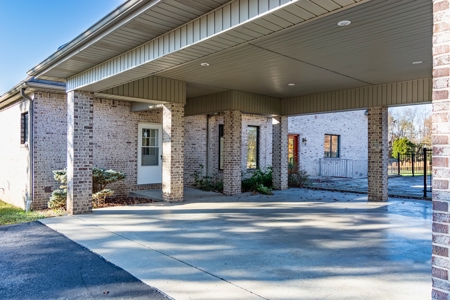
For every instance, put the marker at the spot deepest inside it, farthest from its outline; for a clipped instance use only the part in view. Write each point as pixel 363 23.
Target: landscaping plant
pixel 260 182
pixel 207 183
pixel 297 177
pixel 100 179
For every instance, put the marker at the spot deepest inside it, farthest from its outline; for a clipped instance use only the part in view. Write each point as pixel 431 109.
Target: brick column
pixel 232 152
pixel 280 152
pixel 441 150
pixel 80 109
pixel 173 152
pixel 378 154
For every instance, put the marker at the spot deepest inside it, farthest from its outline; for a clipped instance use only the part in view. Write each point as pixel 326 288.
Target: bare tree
pixel 412 122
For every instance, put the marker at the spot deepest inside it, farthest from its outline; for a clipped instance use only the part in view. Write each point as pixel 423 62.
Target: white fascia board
pixel 233 16
pixel 191 33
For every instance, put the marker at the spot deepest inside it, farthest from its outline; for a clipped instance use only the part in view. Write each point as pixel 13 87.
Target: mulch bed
pixel 122 201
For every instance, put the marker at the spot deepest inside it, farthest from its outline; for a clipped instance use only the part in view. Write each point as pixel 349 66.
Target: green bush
pixel 58 199
pixel 297 177
pixel 261 182
pixel 100 197
pixel 100 179
pixel 207 183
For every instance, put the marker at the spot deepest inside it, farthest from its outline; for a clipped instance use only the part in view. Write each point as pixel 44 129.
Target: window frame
pixel 24 128
pixel 338 152
pixel 257 147
pixel 220 166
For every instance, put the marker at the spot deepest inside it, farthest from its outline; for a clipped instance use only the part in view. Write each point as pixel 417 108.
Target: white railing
pixel 336 167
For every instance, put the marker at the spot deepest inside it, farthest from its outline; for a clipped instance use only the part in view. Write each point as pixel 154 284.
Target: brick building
pixel 136 78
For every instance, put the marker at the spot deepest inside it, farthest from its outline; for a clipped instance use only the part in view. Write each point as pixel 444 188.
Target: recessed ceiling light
pixel 291 84
pixel 417 62
pixel 344 23
pixel 204 64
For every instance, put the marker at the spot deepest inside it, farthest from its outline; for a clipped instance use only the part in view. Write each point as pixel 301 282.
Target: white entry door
pixel 149 153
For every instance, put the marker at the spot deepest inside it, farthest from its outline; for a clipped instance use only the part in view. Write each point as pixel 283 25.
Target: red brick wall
pixel 441 149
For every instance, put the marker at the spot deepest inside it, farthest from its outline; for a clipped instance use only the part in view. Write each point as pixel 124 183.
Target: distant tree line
pixel 409 129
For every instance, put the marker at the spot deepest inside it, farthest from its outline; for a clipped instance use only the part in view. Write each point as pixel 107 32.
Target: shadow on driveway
pixel 39 263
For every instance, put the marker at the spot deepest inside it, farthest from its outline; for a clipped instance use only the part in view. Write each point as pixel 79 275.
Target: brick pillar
pixel 173 152
pixel 441 150
pixel 280 152
pixel 378 154
pixel 80 109
pixel 232 152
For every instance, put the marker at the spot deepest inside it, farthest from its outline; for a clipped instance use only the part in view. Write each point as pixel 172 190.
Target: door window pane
pixel 150 147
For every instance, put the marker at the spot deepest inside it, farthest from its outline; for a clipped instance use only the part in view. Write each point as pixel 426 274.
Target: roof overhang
pixel 31 85
pixel 259 47
pixel 131 24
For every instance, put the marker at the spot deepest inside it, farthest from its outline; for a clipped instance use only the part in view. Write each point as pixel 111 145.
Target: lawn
pixel 10 214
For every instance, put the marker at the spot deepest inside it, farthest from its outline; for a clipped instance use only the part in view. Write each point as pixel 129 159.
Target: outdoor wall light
pixel 304 140
pixel 344 23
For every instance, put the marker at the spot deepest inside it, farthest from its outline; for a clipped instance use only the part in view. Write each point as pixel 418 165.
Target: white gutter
pixel 93 34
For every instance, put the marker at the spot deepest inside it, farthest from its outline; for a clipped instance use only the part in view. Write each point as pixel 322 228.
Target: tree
pixel 402 146
pixel 413 123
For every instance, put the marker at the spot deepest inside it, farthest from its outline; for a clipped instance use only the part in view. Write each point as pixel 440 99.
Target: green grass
pixel 10 214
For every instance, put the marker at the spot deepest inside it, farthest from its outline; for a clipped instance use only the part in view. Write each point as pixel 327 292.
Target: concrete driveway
pixel 297 244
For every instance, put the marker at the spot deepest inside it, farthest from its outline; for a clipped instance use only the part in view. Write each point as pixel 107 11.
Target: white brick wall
pixel 196 147
pixel 351 126
pixel 13 156
pixel 116 138
pixel 50 143
pixel 265 141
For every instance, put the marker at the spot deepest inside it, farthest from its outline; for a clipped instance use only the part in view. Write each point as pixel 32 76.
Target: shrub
pixel 296 176
pixel 58 199
pixel 261 182
pixel 100 179
pixel 207 183
pixel 100 197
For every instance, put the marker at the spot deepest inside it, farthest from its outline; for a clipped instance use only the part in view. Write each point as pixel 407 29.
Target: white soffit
pixel 235 23
pixel 153 19
pixel 380 46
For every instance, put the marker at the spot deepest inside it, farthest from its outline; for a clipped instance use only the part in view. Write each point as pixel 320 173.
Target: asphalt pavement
pixel 39 263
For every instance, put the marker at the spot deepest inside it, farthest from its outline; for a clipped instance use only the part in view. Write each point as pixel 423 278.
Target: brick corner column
pixel 232 152
pixel 173 152
pixel 441 150
pixel 377 175
pixel 80 111
pixel 280 153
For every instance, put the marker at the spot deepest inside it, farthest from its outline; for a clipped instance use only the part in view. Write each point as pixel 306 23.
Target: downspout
pixel 30 193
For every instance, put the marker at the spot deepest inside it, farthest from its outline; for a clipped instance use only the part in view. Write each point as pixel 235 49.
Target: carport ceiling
pixel 380 46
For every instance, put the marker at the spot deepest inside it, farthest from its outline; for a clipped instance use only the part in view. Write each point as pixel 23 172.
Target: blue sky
pixel 31 30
